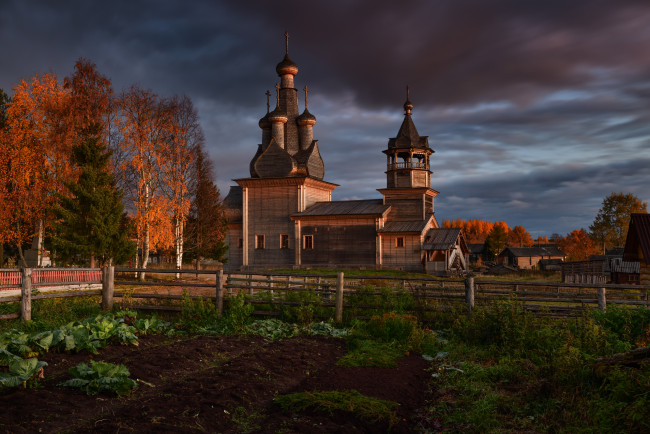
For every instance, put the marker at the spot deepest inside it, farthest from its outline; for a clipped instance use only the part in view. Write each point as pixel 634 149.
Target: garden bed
pixel 215 384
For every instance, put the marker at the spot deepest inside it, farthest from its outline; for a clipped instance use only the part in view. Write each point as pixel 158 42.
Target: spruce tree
pixel 206 223
pixel 92 225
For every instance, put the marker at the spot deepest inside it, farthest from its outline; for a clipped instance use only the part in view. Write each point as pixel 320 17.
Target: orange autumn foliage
pixel 476 231
pixel 35 159
pixel 578 245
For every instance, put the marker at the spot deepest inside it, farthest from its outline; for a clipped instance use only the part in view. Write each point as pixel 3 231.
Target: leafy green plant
pixel 349 401
pixel 326 329
pixel 100 377
pixel 273 329
pixel 20 371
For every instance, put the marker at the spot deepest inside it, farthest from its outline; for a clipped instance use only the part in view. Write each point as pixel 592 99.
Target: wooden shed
pixel 637 245
pixel 446 251
pixel 528 257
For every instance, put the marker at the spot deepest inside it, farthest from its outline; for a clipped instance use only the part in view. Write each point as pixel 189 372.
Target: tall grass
pixel 507 369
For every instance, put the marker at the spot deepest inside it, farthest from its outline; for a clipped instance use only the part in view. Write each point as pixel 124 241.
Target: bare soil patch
pixel 214 384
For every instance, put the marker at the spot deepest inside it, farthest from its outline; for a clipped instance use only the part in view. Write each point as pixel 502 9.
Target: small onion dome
pixel 287 66
pixel 408 106
pixel 306 118
pixel 265 122
pixel 278 116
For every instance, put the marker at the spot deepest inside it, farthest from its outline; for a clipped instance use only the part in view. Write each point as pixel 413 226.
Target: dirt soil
pixel 214 384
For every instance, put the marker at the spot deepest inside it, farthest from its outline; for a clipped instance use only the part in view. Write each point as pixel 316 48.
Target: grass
pixel 347 401
pixel 506 370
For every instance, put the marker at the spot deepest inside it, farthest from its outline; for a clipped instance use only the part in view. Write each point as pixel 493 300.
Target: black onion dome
pixel 287 66
pixel 265 122
pixel 306 118
pixel 408 106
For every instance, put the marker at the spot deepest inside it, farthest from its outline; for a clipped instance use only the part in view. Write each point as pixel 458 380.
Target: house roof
pixel 545 250
pixel 638 238
pixel 441 239
pixel 345 208
pixel 414 226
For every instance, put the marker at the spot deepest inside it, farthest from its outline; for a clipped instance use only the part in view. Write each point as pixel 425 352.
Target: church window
pixel 259 241
pixel 399 242
pixel 284 241
pixel 308 242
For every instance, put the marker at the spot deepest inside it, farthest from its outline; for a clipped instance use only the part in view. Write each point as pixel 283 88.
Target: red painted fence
pixel 10 279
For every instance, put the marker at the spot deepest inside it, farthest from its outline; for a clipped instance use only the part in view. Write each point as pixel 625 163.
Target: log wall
pixel 407 258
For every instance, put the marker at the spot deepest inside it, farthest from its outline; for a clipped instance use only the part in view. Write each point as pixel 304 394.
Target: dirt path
pixel 213 384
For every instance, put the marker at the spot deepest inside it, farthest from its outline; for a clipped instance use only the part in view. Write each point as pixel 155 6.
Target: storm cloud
pixel 536 110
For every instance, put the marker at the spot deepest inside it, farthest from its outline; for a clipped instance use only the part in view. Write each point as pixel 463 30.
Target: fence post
pixel 469 294
pixel 26 295
pixel 220 292
pixel 108 287
pixel 338 315
pixel 602 299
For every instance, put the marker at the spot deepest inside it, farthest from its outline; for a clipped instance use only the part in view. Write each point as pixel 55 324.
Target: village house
pixel 283 214
pixel 527 258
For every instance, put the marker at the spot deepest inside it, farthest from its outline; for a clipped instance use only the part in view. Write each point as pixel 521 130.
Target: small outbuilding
pixel 528 257
pixel 637 245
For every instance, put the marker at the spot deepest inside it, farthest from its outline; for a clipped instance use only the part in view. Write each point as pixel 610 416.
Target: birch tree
pixel 185 138
pixel 143 123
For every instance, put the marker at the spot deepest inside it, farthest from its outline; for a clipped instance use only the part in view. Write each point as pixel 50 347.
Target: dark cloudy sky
pixel 536 109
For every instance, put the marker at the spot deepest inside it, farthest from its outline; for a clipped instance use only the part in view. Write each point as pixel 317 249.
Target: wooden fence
pixel 12 278
pixel 339 293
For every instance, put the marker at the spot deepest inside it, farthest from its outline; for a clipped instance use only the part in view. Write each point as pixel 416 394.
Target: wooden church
pixel 283 216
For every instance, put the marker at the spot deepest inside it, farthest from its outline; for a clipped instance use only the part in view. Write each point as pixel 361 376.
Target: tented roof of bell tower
pixel 407 136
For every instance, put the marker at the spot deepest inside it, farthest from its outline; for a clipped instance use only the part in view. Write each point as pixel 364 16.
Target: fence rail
pixel 12 279
pixel 338 292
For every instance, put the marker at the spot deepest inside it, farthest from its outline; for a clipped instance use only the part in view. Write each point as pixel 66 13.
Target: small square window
pixel 308 242
pixel 259 241
pixel 284 241
pixel 399 242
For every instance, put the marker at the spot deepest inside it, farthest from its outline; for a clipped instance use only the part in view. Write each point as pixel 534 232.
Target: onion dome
pixel 277 115
pixel 408 105
pixel 265 122
pixel 306 118
pixel 287 66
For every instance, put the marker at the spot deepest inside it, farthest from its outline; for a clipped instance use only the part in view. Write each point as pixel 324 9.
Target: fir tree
pixel 495 242
pixel 206 224
pixel 92 225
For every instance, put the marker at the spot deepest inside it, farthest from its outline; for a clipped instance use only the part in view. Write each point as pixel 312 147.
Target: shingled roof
pixel 441 238
pixel 345 208
pixel 546 250
pixel 638 238
pixel 414 226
